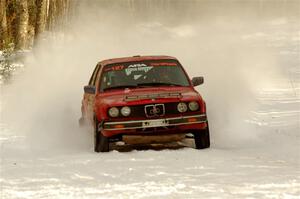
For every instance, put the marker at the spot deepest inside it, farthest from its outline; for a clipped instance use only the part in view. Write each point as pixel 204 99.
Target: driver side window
pixel 94 75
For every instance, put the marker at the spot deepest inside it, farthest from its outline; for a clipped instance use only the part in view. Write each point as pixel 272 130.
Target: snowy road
pixel 250 59
pixel 267 169
pixel 180 173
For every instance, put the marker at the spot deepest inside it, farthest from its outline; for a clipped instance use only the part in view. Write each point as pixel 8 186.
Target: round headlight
pixel 193 106
pixel 125 111
pixel 182 107
pixel 113 112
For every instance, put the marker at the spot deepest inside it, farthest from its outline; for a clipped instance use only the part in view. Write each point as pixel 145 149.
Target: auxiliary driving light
pixel 193 106
pixel 182 107
pixel 113 112
pixel 125 111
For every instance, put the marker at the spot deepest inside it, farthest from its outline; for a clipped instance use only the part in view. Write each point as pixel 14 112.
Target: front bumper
pixel 151 123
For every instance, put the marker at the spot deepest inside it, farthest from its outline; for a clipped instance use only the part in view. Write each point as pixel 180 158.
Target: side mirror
pixel 90 89
pixel 197 81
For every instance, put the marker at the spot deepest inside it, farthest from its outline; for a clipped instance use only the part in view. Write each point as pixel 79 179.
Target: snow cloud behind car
pixel 235 66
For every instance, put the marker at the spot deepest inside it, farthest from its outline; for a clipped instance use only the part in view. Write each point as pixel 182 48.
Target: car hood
pixel 132 96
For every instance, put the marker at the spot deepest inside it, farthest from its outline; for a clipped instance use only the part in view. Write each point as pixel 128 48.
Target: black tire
pixel 202 139
pixel 101 143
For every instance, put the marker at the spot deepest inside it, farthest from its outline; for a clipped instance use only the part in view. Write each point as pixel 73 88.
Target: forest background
pixel 24 23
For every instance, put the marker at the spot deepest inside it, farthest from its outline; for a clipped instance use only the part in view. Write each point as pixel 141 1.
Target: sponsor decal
pixel 163 64
pixel 114 68
pixel 137 68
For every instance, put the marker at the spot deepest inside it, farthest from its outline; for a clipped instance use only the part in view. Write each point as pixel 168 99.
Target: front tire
pixel 202 138
pixel 101 143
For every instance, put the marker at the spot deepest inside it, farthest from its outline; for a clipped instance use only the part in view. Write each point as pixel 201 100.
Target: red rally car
pixel 144 99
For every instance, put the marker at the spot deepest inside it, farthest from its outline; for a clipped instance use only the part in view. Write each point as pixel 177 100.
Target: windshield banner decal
pixel 137 67
pixel 163 64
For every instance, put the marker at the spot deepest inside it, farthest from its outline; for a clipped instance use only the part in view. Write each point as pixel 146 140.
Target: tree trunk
pixel 3 25
pixel 41 16
pixel 51 15
pixel 22 30
pixel 11 21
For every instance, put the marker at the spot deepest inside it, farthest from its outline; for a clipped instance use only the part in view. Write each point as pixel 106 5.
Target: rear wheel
pixel 202 139
pixel 101 143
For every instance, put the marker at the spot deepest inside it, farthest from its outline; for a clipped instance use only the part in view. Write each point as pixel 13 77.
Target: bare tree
pixel 41 16
pixel 3 25
pixel 22 30
pixel 51 19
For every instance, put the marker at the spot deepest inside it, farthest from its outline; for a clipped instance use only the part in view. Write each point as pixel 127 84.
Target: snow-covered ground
pixel 180 173
pixel 252 89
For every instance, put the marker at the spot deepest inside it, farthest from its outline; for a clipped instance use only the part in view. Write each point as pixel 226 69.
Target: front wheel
pixel 202 139
pixel 101 143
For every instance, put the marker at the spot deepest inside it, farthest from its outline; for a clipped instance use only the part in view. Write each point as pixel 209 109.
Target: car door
pixel 89 95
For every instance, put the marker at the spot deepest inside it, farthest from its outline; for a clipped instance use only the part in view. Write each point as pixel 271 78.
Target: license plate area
pixel 155 123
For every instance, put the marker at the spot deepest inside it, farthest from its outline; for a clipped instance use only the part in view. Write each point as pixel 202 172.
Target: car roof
pixel 134 58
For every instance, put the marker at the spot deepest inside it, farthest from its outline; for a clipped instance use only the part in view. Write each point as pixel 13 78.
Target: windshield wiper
pixel 148 84
pixel 120 87
pixel 158 84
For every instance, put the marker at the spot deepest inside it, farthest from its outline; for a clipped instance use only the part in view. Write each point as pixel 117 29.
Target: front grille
pixel 140 111
pixel 155 110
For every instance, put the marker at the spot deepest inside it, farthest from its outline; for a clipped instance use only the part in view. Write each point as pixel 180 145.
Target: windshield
pixel 143 74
